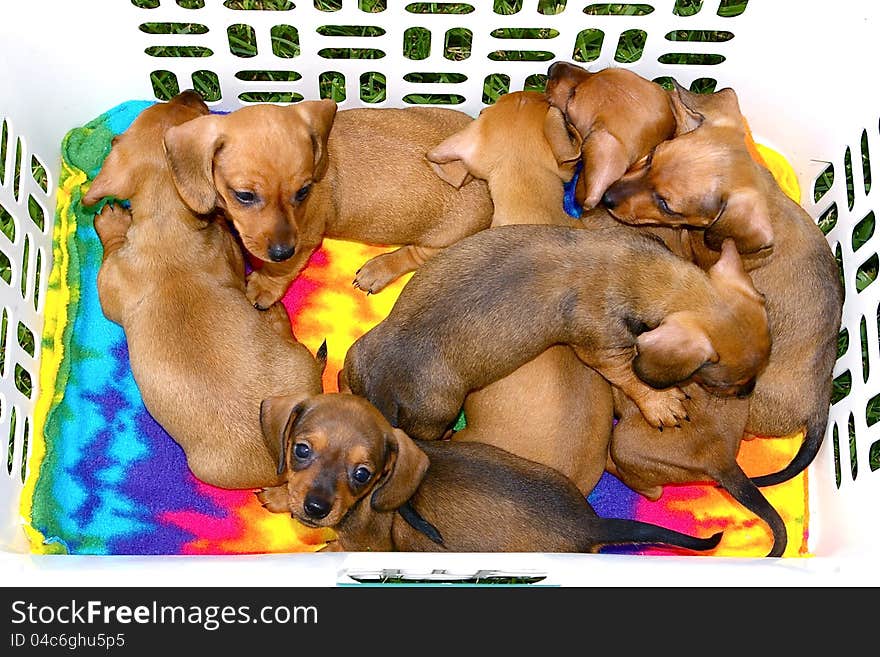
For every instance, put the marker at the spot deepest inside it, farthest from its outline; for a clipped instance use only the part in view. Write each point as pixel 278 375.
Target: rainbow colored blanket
pixel 105 478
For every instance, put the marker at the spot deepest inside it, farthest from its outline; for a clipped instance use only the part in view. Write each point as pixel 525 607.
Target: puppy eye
pixel 302 451
pixel 664 206
pixel 300 196
pixel 361 474
pixel 244 197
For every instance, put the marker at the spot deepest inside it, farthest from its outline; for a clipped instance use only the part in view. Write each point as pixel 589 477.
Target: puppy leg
pixel 661 408
pixel 274 499
pixel 267 285
pixel 112 225
pixel 378 272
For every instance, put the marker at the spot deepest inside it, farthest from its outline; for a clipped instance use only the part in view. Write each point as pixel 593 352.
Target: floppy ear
pixel 744 217
pixel 277 415
pixel 672 352
pixel 408 467
pixel 449 156
pixel 190 148
pixel 113 179
pixel 319 116
pixel 605 162
pixel 564 139
pixel 684 103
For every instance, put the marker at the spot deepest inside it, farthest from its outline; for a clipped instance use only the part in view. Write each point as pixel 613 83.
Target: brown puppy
pixel 621 115
pixel 202 357
pixel 554 409
pixel 286 180
pixel 705 178
pixel 632 310
pixel 348 469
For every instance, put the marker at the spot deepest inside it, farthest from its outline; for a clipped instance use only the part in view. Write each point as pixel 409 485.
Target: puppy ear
pixel 114 179
pixel 319 116
pixel 684 109
pixel 190 148
pixel 449 156
pixel 672 352
pixel 277 415
pixel 408 467
pixel 564 139
pixel 744 217
pixel 605 162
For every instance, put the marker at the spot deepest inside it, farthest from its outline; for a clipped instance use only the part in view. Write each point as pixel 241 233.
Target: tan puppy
pixel 641 316
pixel 202 357
pixel 348 469
pixel 621 115
pixel 286 181
pixel 705 178
pixel 554 409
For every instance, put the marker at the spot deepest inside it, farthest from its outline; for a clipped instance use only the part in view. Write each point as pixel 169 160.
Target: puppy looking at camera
pixel 288 176
pixel 202 357
pixel 348 469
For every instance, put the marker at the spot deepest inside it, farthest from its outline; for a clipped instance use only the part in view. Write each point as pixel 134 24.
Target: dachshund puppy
pixel 202 357
pixel 348 469
pixel 286 180
pixel 642 317
pixel 554 409
pixel 705 178
pixel 621 116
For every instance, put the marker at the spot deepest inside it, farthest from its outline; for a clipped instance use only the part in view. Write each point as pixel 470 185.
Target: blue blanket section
pixel 569 202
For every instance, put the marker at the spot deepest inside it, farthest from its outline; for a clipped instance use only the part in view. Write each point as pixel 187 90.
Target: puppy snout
pixel 280 252
pixel 316 507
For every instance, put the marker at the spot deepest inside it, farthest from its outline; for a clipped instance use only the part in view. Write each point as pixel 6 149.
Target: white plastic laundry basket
pixel 806 76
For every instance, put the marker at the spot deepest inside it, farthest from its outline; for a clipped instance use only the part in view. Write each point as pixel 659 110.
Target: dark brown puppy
pixel 286 180
pixel 202 357
pixel 348 469
pixel 642 317
pixel 703 449
pixel 705 178
pixel 621 116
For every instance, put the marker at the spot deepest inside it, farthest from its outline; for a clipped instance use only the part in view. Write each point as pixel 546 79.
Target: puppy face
pixel 520 130
pixel 724 348
pixel 338 449
pixel 702 178
pixel 620 115
pixel 257 164
pixel 138 152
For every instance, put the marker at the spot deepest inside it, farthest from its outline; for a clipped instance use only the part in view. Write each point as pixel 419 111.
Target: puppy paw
pixel 375 275
pixel 112 223
pixel 663 408
pixel 274 499
pixel 262 292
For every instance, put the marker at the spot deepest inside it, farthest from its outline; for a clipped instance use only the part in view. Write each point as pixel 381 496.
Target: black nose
pixel 608 200
pixel 316 507
pixel 280 252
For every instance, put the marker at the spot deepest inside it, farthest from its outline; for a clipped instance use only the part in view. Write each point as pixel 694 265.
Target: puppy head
pixel 338 449
pixel 137 154
pixel 520 130
pixel 621 115
pixel 703 178
pixel 723 347
pixel 258 165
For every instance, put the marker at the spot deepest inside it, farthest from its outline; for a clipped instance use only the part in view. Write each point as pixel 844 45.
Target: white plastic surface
pixel 805 76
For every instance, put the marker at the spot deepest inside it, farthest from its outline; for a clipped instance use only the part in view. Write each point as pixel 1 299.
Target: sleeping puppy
pixel 621 116
pixel 705 178
pixel 642 317
pixel 202 357
pixel 348 469
pixel 286 180
pixel 554 409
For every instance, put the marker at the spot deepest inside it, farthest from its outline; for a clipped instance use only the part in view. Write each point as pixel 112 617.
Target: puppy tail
pixel 813 438
pixel 747 493
pixel 321 355
pixel 621 531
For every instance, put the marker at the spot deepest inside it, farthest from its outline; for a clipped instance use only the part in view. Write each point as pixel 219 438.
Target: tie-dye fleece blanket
pixel 105 478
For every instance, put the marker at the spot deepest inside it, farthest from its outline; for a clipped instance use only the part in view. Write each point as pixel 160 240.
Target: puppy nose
pixel 280 252
pixel 747 389
pixel 608 200
pixel 316 507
